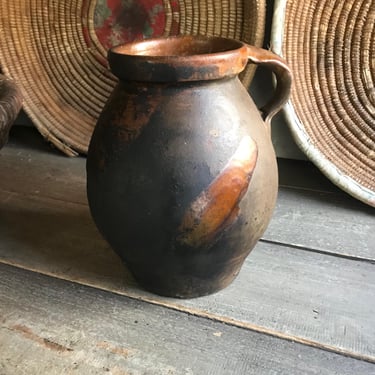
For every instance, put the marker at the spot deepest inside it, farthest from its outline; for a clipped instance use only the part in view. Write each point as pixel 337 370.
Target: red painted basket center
pixel 121 21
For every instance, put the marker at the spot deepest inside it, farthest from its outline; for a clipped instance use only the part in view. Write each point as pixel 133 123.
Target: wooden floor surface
pixel 304 302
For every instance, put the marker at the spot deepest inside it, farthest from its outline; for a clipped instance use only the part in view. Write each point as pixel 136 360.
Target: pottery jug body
pixel 181 172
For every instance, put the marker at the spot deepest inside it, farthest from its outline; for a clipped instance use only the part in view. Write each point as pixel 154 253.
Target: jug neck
pixel 178 59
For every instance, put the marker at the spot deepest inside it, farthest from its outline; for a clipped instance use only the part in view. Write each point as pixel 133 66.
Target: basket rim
pixel 297 128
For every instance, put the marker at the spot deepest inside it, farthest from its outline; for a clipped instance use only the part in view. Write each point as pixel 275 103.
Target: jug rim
pixel 178 58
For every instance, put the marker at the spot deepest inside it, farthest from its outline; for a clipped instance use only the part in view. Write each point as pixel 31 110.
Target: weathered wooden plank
pixel 303 296
pixel 323 221
pixel 54 236
pixel 49 326
pixel 28 165
pixel 313 213
pixel 328 222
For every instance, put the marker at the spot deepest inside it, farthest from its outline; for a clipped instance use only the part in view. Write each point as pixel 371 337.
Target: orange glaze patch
pixel 216 208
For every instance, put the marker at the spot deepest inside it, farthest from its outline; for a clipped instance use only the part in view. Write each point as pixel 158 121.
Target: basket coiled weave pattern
pixel 330 47
pixel 51 49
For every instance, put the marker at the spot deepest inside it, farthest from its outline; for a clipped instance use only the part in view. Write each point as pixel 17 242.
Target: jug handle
pixel 260 56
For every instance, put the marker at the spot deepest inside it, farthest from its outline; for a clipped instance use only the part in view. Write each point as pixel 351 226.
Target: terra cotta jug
pixel 181 172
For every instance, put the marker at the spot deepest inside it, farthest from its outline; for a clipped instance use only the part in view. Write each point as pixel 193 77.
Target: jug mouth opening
pixel 178 58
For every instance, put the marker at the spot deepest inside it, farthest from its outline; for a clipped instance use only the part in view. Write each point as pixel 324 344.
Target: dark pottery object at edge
pixel 10 105
pixel 181 172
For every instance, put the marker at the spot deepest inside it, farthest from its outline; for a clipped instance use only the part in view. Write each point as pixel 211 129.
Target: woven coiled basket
pixel 57 51
pixel 330 47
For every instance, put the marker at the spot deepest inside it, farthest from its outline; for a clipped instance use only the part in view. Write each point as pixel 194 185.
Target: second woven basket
pixel 330 47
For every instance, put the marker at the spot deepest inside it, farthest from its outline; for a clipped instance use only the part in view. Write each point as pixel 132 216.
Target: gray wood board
pixel 323 221
pixel 49 326
pixel 29 166
pixel 308 297
pixel 327 222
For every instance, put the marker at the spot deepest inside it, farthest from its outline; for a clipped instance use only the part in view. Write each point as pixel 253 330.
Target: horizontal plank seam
pixel 210 316
pixel 319 251
pixel 41 197
pixel 338 193
pixel 314 190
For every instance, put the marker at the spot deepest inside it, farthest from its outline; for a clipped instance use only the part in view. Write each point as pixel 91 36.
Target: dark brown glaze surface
pixel 216 208
pixel 181 174
pixel 142 188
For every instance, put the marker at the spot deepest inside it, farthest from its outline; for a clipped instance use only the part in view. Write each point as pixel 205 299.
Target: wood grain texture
pixel 49 326
pixel 325 222
pixel 310 212
pixel 314 298
pixel 28 165
pixel 317 299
